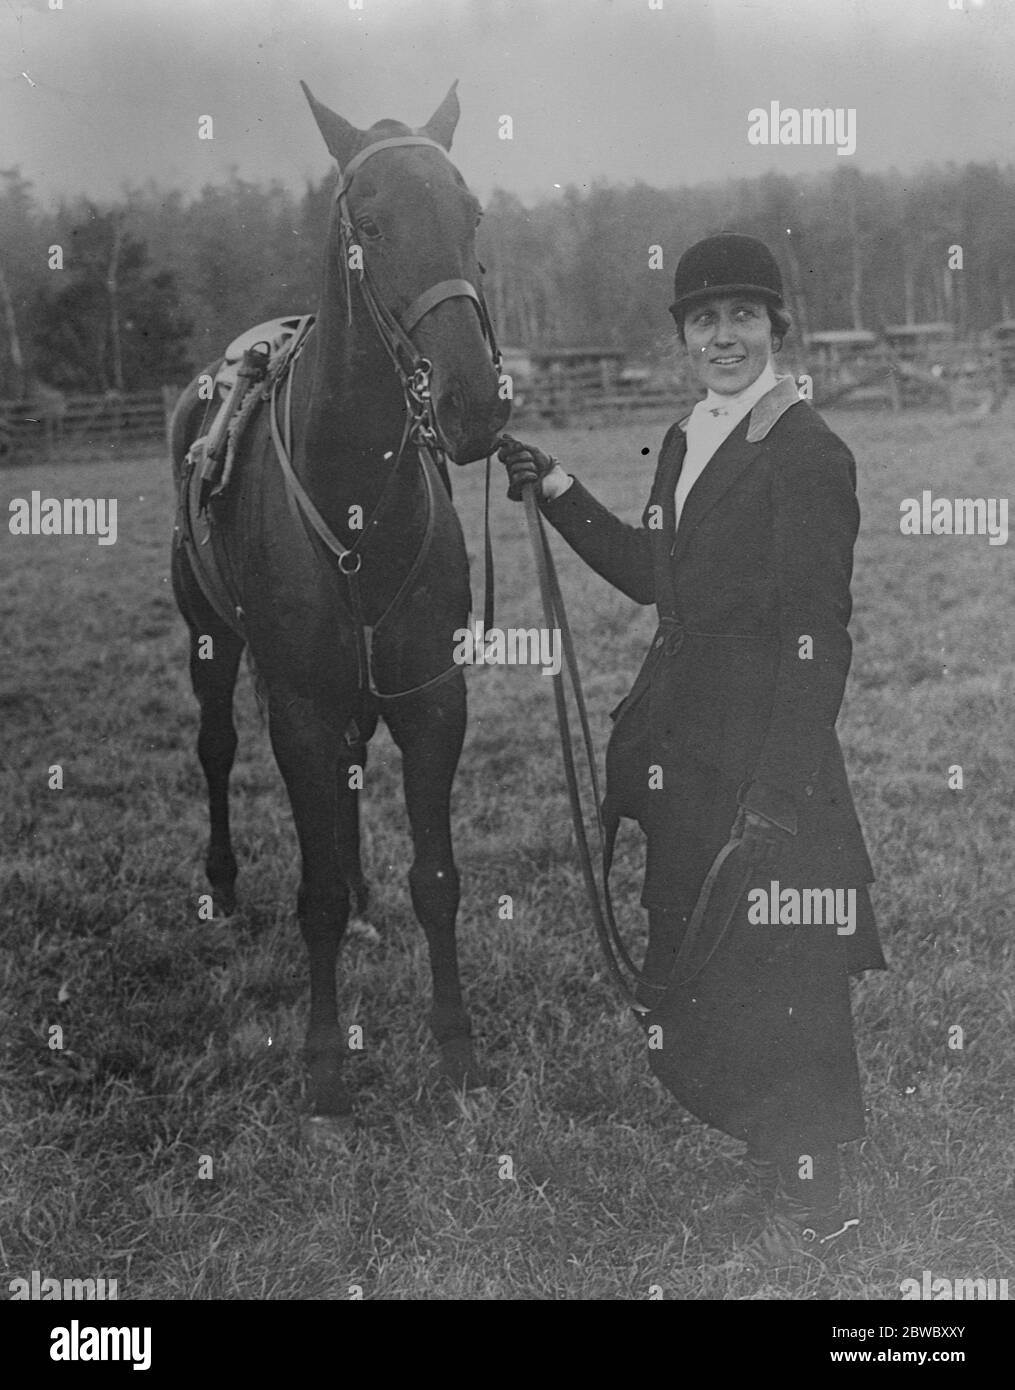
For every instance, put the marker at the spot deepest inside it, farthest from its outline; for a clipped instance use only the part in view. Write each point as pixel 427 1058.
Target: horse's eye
pixel 369 228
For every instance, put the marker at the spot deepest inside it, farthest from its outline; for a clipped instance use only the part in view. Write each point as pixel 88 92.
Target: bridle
pixel 413 368
pixel 420 429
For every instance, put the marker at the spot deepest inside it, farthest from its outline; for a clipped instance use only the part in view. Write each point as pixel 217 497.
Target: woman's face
pixel 729 341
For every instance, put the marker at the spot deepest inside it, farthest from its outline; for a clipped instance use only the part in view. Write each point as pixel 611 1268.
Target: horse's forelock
pixel 385 130
pixel 388 129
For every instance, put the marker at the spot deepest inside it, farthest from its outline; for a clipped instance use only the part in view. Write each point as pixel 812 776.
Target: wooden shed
pixel 850 366
pixel 561 383
pixel 835 347
pixel 585 365
pixel 923 344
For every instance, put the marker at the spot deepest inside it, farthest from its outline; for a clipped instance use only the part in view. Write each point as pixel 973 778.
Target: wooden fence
pixel 968 379
pixel 72 424
pixel 584 397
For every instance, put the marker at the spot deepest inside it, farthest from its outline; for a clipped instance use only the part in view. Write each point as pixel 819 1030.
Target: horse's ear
pixel 341 138
pixel 441 125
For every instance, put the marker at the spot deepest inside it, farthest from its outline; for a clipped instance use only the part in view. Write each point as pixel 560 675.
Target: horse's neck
pixel 356 405
pixel 352 405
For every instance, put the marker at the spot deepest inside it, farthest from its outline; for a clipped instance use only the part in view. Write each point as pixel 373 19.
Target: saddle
pixel 249 359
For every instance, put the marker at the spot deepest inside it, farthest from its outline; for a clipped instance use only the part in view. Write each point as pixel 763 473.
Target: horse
pixel 340 561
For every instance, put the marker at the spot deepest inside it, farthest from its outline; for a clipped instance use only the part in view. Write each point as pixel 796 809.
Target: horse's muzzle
pixel 469 433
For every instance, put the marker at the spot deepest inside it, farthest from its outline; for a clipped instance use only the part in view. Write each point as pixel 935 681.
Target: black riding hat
pixel 728 263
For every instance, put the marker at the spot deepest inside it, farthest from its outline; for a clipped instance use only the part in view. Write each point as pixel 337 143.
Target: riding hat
pixel 728 263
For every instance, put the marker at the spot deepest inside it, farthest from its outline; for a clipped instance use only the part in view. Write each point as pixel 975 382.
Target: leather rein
pixel 620 967
pixel 420 429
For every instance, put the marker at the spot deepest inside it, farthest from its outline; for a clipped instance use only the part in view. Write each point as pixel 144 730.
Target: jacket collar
pixel 767 411
pixel 733 456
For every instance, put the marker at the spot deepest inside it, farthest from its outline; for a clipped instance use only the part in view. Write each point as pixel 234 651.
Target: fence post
pixel 170 395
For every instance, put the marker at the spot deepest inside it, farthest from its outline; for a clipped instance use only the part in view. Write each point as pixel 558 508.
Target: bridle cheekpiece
pixel 414 370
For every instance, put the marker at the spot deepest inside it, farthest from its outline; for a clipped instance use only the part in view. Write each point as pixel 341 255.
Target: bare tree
pixel 112 286
pixel 13 338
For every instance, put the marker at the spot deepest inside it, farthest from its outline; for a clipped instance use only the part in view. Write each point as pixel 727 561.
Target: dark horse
pixel 401 353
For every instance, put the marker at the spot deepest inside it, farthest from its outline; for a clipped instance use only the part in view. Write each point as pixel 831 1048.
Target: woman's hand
pixel 527 464
pixel 761 838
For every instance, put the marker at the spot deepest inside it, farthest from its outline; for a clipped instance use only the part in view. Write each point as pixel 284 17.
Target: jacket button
pixel 658 642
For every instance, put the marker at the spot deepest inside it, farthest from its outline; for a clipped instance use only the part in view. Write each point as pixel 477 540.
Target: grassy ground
pixel 181 1037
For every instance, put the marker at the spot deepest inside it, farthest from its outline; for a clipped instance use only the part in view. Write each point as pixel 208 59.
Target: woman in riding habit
pixel 746 547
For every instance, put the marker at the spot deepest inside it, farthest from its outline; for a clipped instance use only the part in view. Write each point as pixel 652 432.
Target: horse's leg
pixel 308 752
pixel 215 652
pixel 430 731
pixel 352 756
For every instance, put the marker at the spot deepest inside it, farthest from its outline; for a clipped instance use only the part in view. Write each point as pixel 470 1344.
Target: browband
pixel 371 150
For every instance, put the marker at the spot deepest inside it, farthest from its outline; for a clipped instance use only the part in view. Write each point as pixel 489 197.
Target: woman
pixel 746 547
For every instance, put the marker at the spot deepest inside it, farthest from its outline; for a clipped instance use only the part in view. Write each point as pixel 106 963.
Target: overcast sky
pixel 106 93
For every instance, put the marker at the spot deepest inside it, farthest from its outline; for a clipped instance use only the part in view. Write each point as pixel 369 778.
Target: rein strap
pixel 615 953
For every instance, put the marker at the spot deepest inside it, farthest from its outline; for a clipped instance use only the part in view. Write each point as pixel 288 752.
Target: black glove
pixel 762 839
pixel 524 463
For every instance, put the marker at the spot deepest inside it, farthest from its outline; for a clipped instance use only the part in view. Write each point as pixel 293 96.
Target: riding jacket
pixel 745 676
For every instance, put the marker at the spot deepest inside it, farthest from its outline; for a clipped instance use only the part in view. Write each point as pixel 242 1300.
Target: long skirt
pixel 758 1042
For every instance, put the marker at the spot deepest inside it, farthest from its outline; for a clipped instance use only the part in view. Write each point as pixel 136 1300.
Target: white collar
pixel 732 409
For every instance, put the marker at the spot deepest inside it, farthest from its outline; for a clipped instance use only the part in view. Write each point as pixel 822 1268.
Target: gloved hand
pixel 525 464
pixel 761 838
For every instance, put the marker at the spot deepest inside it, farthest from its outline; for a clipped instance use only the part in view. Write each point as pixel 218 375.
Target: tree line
pixel 153 287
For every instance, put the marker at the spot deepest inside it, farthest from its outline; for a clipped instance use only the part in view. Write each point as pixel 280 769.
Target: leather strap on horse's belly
pixel 195 534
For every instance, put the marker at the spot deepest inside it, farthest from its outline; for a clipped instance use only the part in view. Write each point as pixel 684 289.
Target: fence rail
pixel 578 405
pixel 53 423
pixel 592 395
pixel 965 379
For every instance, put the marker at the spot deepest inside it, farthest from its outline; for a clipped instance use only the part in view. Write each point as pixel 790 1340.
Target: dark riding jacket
pixel 747 671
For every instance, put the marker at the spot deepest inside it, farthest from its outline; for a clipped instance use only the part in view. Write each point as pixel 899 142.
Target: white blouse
pixel 710 422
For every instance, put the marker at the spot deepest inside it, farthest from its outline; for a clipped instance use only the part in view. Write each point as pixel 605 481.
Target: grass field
pixel 182 1037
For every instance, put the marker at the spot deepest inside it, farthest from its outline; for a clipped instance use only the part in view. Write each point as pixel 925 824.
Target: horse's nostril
pixel 452 404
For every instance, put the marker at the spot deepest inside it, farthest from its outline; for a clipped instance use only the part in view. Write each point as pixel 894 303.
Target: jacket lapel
pixel 663 538
pixel 665 484
pixel 729 461
pixel 733 457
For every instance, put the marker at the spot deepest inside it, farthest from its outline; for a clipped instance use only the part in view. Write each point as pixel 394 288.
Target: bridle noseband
pixel 414 370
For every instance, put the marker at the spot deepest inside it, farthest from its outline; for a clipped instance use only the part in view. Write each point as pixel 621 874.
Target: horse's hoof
pixel 327 1133
pixel 223 902
pixel 459 1066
